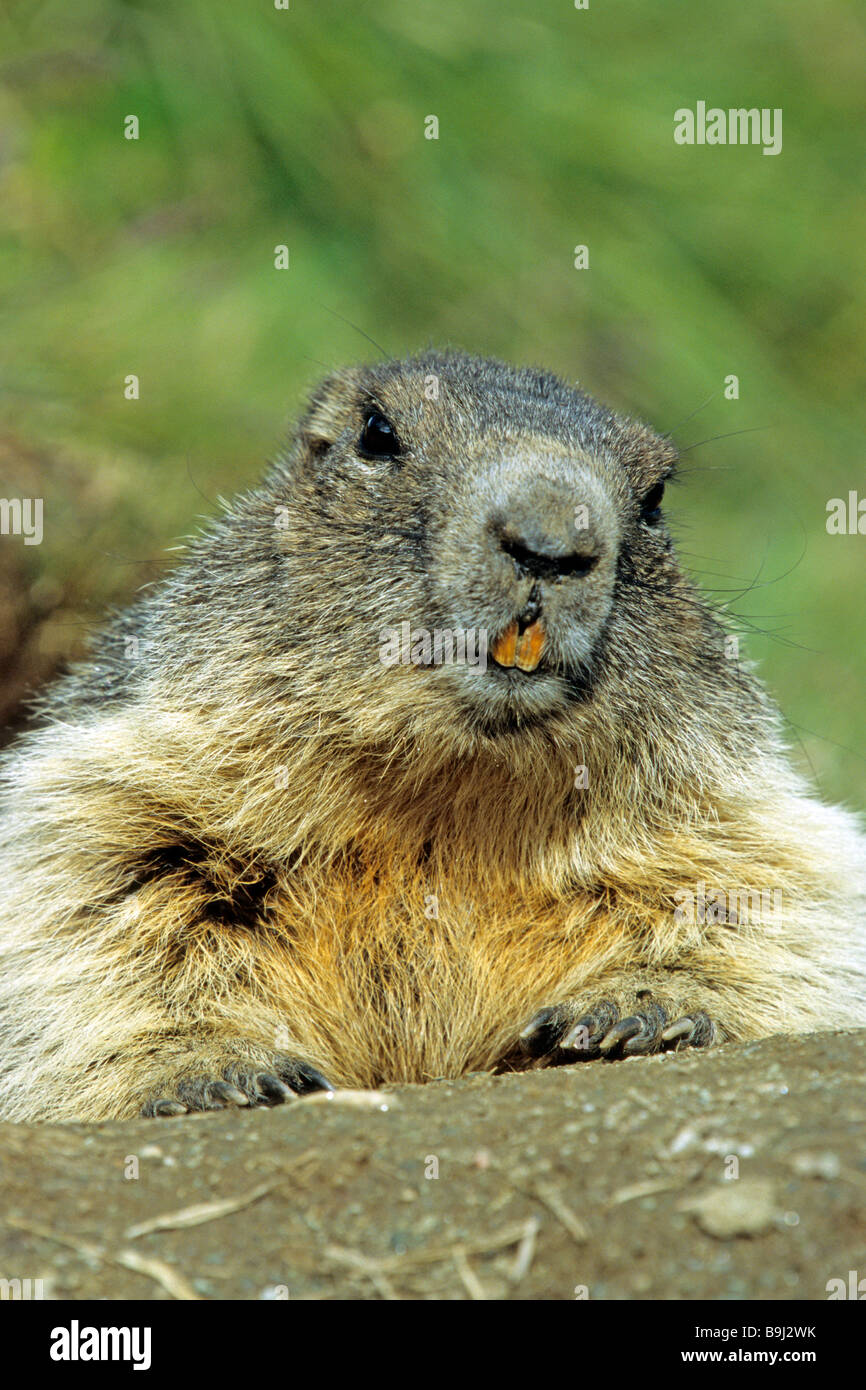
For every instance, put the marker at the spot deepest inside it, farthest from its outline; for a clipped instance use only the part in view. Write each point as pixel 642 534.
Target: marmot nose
pixel 554 527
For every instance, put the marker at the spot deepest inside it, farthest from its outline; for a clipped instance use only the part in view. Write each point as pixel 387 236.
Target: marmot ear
pixel 648 457
pixel 329 409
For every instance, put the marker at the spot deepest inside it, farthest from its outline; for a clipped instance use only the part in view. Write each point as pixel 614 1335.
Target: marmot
pixel 256 844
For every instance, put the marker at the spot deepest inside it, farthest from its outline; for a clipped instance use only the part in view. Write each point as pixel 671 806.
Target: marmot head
pixel 450 615
pixel 446 495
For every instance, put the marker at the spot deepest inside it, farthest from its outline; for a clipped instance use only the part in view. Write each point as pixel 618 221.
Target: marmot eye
pixel 651 506
pixel 378 438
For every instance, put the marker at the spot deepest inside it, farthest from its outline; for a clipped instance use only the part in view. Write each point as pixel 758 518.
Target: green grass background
pixel 306 127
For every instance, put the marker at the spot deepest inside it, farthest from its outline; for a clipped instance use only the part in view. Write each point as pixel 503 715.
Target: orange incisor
pixel 522 649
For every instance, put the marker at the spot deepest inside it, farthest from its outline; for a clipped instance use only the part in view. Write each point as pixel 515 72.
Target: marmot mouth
pixel 520 646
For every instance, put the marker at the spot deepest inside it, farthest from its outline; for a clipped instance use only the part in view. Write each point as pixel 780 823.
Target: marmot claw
pixel 602 1032
pixel 241 1087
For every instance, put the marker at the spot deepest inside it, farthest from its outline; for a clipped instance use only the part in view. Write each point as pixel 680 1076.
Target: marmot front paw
pixel 240 1086
pixel 562 1034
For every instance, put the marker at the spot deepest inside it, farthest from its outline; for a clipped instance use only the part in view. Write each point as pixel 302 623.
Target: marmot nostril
pixel 548 563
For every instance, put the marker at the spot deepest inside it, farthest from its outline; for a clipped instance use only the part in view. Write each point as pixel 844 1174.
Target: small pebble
pixel 817 1165
pixel 745 1207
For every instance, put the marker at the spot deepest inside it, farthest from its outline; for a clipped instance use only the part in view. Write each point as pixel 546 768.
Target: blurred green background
pixel 306 127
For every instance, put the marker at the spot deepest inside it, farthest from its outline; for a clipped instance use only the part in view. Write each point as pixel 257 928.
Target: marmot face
pixel 465 496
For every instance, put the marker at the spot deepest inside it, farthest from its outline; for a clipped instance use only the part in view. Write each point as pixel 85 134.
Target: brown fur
pixel 227 849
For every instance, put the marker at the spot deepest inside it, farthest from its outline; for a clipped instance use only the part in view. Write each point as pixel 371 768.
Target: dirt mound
pixel 740 1173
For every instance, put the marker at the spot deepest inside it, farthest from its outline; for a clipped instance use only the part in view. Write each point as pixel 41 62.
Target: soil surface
pixel 739 1173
